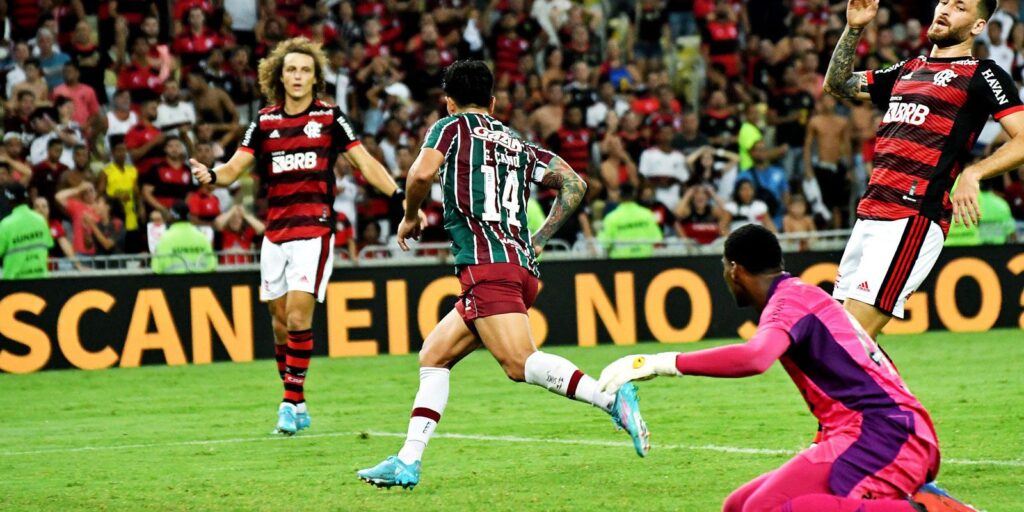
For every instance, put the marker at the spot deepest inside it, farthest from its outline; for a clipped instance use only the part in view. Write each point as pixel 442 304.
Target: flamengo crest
pixel 942 78
pixel 312 130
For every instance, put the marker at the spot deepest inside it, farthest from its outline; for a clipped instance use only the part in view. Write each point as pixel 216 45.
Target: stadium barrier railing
pixel 439 252
pixel 106 318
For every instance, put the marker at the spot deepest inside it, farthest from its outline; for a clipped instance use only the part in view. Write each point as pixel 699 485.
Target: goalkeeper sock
pixel 426 413
pixel 280 352
pixel 300 349
pixel 558 375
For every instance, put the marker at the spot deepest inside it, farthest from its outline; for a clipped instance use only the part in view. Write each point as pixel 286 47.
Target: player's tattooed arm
pixel 840 79
pixel 571 189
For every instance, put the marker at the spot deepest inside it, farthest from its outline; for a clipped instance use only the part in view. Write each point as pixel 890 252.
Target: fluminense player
pixel 293 144
pixel 486 170
pixel 878 446
pixel 934 108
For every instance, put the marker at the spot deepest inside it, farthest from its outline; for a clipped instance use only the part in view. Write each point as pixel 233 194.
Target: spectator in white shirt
pixel 664 167
pixel 998 50
pixel 173 113
pixel 607 101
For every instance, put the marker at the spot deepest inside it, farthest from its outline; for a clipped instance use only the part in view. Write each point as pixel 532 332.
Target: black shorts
pixel 835 188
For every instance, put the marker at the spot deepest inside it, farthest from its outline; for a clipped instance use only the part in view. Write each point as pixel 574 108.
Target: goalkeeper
pixel 878 446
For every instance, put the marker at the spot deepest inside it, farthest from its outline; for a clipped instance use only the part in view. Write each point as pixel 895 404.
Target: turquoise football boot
pixel 626 415
pixel 392 472
pixel 286 420
pixel 302 421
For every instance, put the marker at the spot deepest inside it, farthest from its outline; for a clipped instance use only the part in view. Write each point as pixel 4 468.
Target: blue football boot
pixel 626 415
pixel 392 472
pixel 286 420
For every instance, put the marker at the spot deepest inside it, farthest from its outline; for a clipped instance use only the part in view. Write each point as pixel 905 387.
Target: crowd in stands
pixel 708 114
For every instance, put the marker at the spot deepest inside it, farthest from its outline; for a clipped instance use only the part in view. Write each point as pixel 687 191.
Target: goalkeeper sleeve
pixel 741 360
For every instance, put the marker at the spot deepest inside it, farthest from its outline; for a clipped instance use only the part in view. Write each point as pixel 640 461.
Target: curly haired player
pixel 293 144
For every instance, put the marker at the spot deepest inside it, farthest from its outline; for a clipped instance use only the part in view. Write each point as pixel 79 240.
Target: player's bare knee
pixel 430 359
pixel 514 366
pixel 515 372
pixel 297 320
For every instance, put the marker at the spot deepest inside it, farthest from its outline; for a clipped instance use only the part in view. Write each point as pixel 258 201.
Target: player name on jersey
pixel 485 177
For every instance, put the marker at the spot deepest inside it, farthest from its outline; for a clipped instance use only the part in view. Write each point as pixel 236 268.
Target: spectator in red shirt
pixel 19 119
pixel 509 46
pixel 239 230
pixel 669 110
pixel 169 181
pixel 79 202
pixel 87 106
pixel 194 43
pixel 721 40
pixel 183 7
pixel 345 237
pixel 139 77
pixel 573 143
pixel 62 247
pixel 203 206
pixel 46 174
pixel 144 141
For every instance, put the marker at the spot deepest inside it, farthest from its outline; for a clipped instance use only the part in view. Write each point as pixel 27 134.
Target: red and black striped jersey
pixel 295 157
pixel 934 110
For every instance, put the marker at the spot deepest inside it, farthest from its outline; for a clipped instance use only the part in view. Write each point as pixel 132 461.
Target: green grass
pixel 119 439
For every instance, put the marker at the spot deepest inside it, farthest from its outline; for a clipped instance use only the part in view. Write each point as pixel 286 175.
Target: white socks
pixel 426 412
pixel 558 375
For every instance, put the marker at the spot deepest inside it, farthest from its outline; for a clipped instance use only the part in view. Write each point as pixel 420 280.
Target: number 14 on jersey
pixel 510 197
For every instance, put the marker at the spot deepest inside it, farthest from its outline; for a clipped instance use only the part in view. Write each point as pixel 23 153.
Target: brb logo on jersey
pixel 910 113
pixel 293 162
pixel 942 78
pixel 499 138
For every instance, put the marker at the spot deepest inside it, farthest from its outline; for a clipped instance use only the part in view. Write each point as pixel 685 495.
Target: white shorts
pixel 887 260
pixel 296 266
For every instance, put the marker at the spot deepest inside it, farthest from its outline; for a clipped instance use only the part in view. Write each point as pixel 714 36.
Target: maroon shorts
pixel 494 289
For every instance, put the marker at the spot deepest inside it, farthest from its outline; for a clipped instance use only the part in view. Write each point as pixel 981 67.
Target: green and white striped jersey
pixel 485 176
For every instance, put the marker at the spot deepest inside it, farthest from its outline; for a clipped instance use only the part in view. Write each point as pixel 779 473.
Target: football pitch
pixel 197 437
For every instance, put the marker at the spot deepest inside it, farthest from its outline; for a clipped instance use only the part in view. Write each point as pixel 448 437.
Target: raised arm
pixel 840 79
pixel 571 189
pixel 374 172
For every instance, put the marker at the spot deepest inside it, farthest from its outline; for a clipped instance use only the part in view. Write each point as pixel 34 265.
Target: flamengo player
pixel 934 109
pixel 878 445
pixel 485 173
pixel 293 144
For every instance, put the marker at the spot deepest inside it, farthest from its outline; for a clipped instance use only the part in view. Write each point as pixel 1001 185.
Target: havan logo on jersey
pixel 293 161
pixel 997 88
pixel 910 113
pixel 500 138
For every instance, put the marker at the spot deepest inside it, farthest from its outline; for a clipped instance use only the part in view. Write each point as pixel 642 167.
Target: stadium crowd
pixel 700 115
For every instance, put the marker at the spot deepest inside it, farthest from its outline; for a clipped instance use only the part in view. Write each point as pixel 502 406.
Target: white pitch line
pixel 475 437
